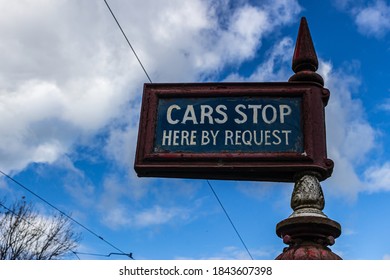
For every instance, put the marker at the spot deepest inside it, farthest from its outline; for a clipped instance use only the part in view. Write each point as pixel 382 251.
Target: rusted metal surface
pixel 308 231
pixel 302 227
pixel 308 251
pixel 304 57
pixel 308 238
pixel 237 163
pixel 305 62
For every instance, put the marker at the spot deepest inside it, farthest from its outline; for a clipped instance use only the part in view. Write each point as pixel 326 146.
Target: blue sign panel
pixel 229 125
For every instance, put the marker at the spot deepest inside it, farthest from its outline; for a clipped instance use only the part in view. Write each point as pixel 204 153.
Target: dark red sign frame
pixel 269 166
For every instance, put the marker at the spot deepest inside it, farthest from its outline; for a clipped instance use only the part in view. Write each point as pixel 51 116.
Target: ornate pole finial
pixel 305 62
pixel 307 198
pixel 308 231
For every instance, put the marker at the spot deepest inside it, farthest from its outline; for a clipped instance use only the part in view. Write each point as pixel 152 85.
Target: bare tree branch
pixel 27 235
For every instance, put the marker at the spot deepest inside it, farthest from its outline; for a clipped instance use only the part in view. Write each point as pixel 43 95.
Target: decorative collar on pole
pixel 305 62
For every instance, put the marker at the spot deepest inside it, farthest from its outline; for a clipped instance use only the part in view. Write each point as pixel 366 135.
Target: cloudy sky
pixel 70 93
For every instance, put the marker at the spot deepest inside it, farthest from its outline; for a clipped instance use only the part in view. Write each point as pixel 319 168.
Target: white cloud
pixel 141 203
pixel 378 177
pixel 346 121
pixel 235 253
pixel 208 45
pixel 158 215
pixel 351 138
pixel 247 26
pixel 67 72
pixel 276 67
pixel 385 105
pixel 231 253
pixel 374 19
pixel 343 4
pixel 371 19
pixel 57 85
pixel 346 118
pixel 121 144
pixel 122 216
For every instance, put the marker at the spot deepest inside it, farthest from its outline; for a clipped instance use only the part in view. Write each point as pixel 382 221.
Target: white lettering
pixel 167 137
pixel 243 115
pixel 169 114
pixel 267 136
pixel 286 133
pixel 255 137
pixel 238 137
pixel 205 137
pixel 285 110
pixel 214 135
pixel 207 114
pixel 189 115
pixel 255 108
pixel 247 138
pixel 277 140
pixel 193 138
pixel 176 137
pixel 228 136
pixel 274 114
pixel 184 137
pixel 257 141
pixel 206 111
pixel 224 119
pixel 179 137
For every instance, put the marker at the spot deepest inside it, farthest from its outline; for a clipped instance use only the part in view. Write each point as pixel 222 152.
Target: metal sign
pixel 239 131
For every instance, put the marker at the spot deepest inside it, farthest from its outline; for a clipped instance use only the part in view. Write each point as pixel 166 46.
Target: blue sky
pixel 70 91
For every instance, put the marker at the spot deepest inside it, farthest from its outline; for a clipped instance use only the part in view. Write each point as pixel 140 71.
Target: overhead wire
pixel 150 80
pixel 128 42
pixel 130 255
pixel 76 253
pixel 62 212
pixel 230 220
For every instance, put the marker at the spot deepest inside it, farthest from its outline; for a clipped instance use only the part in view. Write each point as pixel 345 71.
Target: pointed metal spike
pixel 305 62
pixel 305 57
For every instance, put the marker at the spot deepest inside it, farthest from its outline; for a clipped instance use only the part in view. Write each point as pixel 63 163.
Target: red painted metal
pixel 308 251
pixel 308 236
pixel 279 166
pixel 305 57
pixel 305 61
